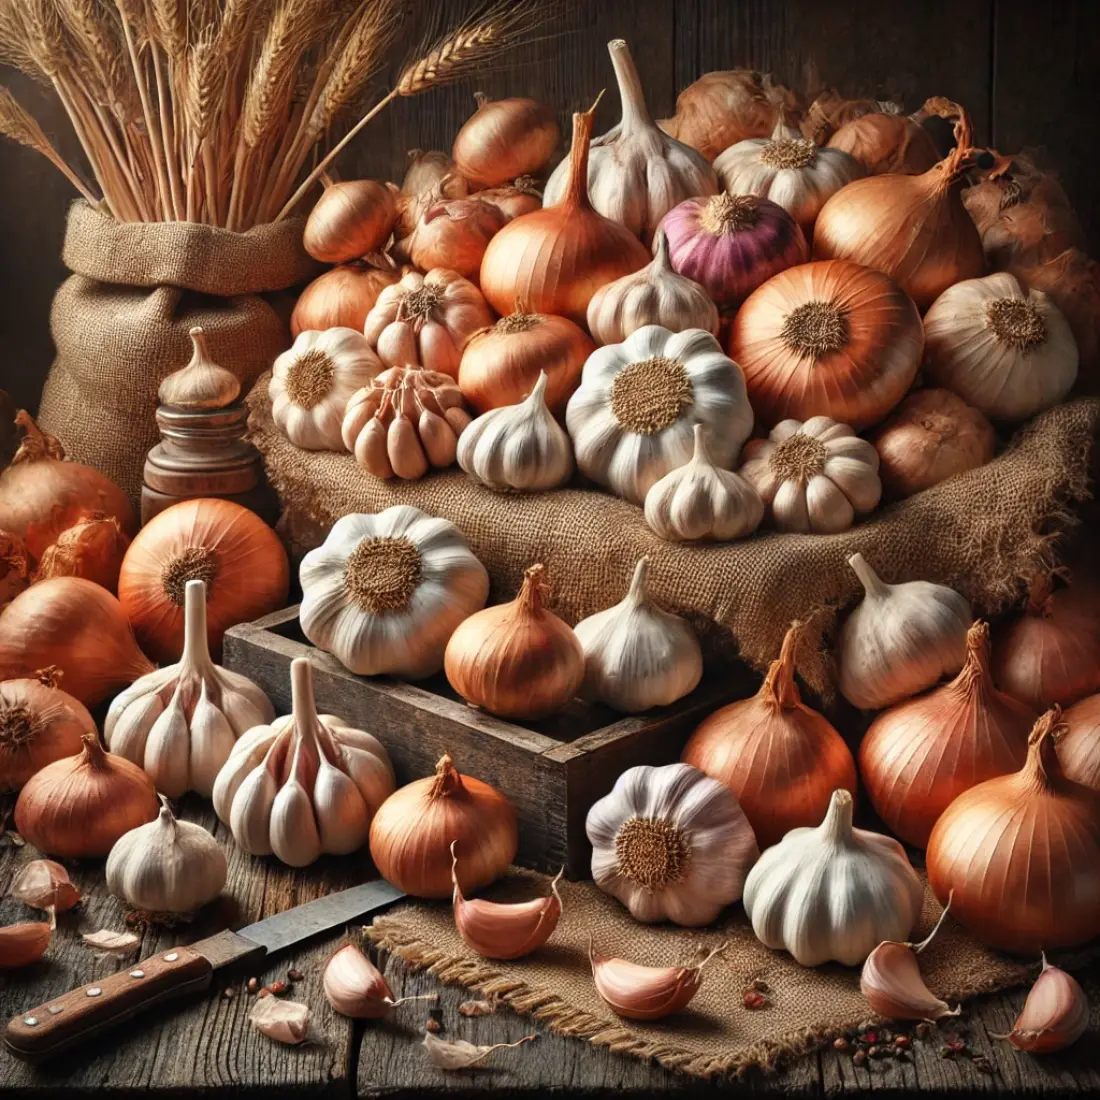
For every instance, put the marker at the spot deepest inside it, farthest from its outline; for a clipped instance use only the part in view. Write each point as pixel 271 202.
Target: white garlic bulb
pixel 304 785
pixel 671 844
pixel 1005 350
pixel 814 477
pixel 385 592
pixel 166 866
pixel 520 447
pixel 637 656
pixel 900 639
pixel 180 722
pixel 833 893
pixel 636 172
pixel 701 501
pixel 656 295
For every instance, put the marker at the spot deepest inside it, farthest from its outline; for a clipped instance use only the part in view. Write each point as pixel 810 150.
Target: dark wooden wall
pixel 1028 72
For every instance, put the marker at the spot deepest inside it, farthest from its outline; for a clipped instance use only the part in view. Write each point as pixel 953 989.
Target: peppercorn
pixel 840 1044
pixel 277 988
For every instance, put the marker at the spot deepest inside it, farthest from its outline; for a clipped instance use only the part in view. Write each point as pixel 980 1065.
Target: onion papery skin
pixel 1019 856
pixel 1079 748
pixel 341 298
pixel 39 723
pixel 919 756
pixel 781 760
pixel 731 265
pixel 885 144
pixel 860 381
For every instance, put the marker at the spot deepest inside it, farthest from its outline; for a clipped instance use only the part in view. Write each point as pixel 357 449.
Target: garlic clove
pixel 343 818
pixel 166 759
pixel 638 992
pixel 212 740
pixel 23 944
pixel 251 809
pixel 44 884
pixel 247 755
pixel 1055 1014
pixel 437 438
pixel 295 837
pixel 892 985
pixel 127 728
pixel 243 703
pixel 355 987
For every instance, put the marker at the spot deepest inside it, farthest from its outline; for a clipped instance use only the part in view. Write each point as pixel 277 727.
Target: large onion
pixel 341 298
pixel 503 139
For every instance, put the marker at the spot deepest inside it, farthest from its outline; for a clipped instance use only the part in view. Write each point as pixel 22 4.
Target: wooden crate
pixel 552 770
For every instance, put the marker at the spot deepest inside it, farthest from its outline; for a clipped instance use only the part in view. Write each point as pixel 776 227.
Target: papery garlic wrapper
pixel 281 1020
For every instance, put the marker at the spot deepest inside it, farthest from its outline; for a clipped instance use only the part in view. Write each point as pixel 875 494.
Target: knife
pixel 73 1017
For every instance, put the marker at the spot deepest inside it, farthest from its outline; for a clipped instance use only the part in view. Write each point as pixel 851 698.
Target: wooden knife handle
pixel 73 1017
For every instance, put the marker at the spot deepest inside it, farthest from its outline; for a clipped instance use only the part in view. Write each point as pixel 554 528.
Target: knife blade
pixel 75 1016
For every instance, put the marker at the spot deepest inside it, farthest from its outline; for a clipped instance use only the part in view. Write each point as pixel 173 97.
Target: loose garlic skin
pixel 180 723
pixel 637 656
pixel 699 500
pixel 671 844
pixel 519 448
pixel 832 893
pixel 900 639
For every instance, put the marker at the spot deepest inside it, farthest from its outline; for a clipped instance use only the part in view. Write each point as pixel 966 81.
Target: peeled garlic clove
pixel 23 944
pixel 638 992
pixel 1055 1015
pixel 44 884
pixel 355 987
pixel 892 985
pixel 283 1021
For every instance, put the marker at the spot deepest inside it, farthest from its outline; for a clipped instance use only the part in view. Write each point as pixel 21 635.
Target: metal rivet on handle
pixel 30 1021
pixel 171 957
pixel 53 1010
pixel 137 973
pixel 94 991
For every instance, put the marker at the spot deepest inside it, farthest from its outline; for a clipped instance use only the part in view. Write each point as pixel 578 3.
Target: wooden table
pixel 207 1046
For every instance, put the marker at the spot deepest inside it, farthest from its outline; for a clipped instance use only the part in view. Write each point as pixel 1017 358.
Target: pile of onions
pixel 913 228
pixel 500 365
pixel 919 756
pixel 341 298
pixel 555 259
pixel 239 557
pixel 827 339
pixel 1079 748
pixel 503 139
pixel 1051 653
pixel 1019 856
pixel 931 436
pixel 92 549
pixel 454 234
pixel 77 626
pixel 887 143
pixel 781 759
pixel 350 220
pixel 729 244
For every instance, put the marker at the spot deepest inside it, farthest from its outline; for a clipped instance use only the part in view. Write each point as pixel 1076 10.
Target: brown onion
pixel 77 626
pixel 14 568
pixel 505 138
pixel 340 298
pixel 513 199
pixel 555 259
pixel 500 365
pixel 827 339
pixel 782 760
pixel 885 143
pixel 913 228
pixel 931 436
pixel 917 757
pixel 411 205
pixel 92 549
pixel 830 111
pixel 1079 749
pixel 427 170
pixel 1019 856
pixel 350 220
pixel 454 235
pixel 1051 653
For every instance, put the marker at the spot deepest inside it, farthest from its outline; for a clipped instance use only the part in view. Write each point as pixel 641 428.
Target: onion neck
pixel 576 190
pixel 873 586
pixel 533 591
pixel 447 782
pixel 974 676
pixel 837 825
pixel 36 444
pixel 636 115
pixel 1040 595
pixel 94 756
pixel 661 261
pixel 1042 770
pixel 779 687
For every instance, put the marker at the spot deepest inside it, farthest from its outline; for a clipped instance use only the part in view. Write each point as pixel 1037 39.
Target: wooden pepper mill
pixel 203 452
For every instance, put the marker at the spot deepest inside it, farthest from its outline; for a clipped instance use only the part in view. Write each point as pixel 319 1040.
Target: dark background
pixel 1028 71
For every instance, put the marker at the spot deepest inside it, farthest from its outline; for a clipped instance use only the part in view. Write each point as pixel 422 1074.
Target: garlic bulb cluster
pixel 901 639
pixel 384 592
pixel 167 866
pixel 636 172
pixel 518 447
pixel 637 656
pixel 671 844
pixel 181 722
pixel 304 785
pixel 833 893
pixel 814 477
pixel 700 500
pixel 632 419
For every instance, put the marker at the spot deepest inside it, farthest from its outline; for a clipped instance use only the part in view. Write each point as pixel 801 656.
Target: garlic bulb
pixel 180 722
pixel 901 639
pixel 656 295
pixel 671 844
pixel 814 477
pixel 632 418
pixel 637 656
pixel 833 893
pixel 202 384
pixel 636 172
pixel 384 592
pixel 699 500
pixel 1005 350
pixel 312 382
pixel 304 785
pixel 520 447
pixel 167 866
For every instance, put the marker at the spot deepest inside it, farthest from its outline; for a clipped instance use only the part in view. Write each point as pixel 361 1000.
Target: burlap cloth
pixel 982 533
pixel 120 324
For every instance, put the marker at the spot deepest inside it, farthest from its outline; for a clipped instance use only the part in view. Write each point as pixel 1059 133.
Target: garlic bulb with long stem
pixel 202 384
pixel 181 722
pixel 167 866
pixel 638 992
pixel 700 500
pixel 833 893
pixel 518 447
pixel 1055 1014
pixel 636 655
pixel 900 639
pixel 636 172
pixel 305 785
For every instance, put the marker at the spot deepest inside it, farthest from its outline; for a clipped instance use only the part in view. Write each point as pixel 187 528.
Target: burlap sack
pixel 980 533
pixel 120 324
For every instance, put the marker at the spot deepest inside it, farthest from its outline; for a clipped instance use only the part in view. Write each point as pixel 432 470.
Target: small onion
pixel 429 169
pixel 454 234
pixel 340 298
pixel 885 143
pixel 931 436
pixel 503 139
pixel 522 196
pixel 1079 749
pixel 92 549
pixel 830 111
pixel 350 220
